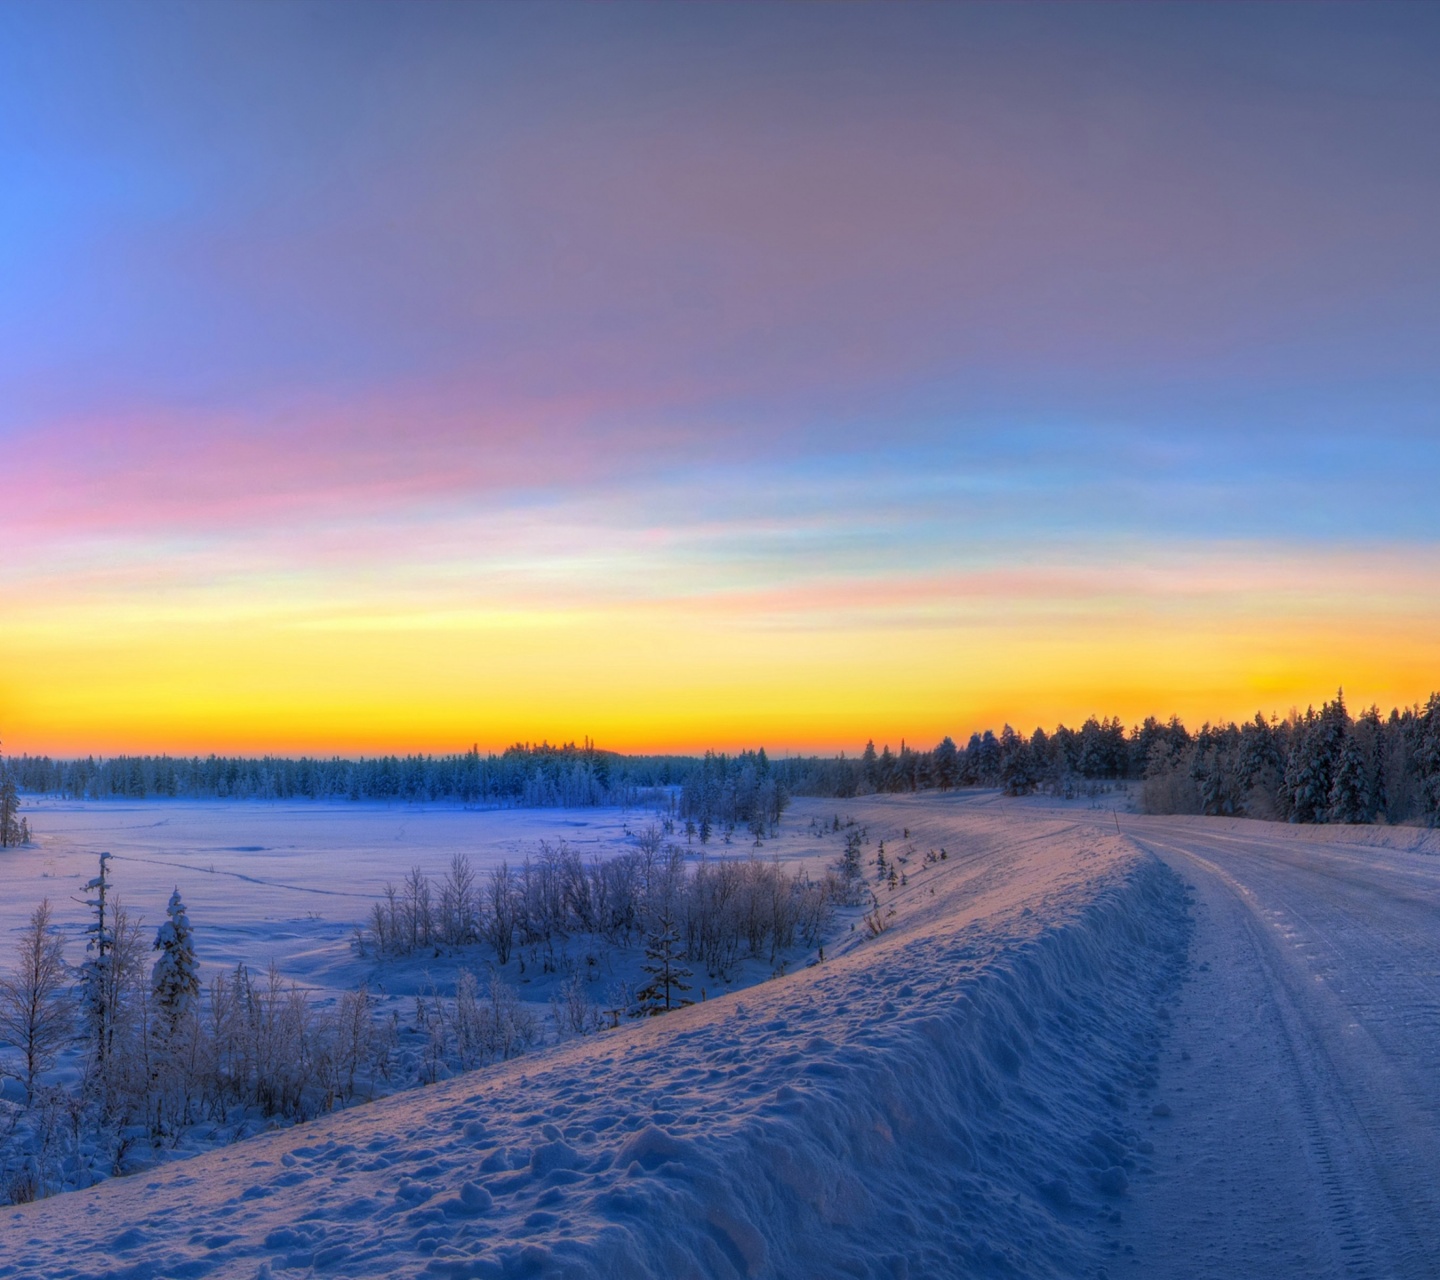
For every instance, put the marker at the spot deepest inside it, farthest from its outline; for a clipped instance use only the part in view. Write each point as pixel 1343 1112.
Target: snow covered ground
pixel 277 881
pixel 1057 1060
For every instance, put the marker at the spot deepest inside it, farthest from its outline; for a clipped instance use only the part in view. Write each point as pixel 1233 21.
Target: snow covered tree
pixel 459 902
pixel 1310 770
pixel 1348 791
pixel 662 963
pixel 113 995
pixel 97 973
pixel 987 759
pixel 175 979
pixel 1017 767
pixel 499 922
pixel 10 822
pixel 946 769
pixel 33 1012
pixel 870 766
pixel 1427 760
pixel 852 870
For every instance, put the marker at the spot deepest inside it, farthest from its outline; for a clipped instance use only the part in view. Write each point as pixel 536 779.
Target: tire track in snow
pixel 1359 1132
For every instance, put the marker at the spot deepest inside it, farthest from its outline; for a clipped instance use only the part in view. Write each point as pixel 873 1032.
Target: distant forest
pixel 568 776
pixel 1319 766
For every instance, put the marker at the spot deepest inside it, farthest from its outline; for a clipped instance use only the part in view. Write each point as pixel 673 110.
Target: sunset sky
pixel 408 376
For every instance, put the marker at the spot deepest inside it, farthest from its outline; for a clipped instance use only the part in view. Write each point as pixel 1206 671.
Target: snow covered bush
pixel 724 909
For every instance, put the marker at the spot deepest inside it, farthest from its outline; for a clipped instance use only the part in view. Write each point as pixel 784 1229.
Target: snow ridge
pixel 971 1123
pixel 947 1099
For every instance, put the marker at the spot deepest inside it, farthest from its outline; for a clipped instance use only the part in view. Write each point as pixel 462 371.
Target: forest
pixel 567 776
pixel 1311 767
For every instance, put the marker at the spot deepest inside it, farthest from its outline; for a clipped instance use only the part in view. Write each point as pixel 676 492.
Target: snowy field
pixel 1082 1046
pixel 283 882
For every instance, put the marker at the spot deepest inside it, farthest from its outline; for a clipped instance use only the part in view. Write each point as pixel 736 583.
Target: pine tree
pixel 852 872
pixel 97 977
pixel 175 979
pixel 1309 771
pixel 667 974
pixel 1016 767
pixel 1427 760
pixel 947 764
pixel 1348 790
pixel 869 766
pixel 9 808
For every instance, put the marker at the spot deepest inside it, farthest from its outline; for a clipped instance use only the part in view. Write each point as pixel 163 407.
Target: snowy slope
pixel 955 1097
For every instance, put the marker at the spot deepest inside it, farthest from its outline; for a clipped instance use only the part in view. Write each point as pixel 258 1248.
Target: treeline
pixel 1100 750
pixel 551 776
pixel 1322 766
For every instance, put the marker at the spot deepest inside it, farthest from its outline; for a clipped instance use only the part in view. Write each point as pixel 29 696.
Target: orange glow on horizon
pixel 665 676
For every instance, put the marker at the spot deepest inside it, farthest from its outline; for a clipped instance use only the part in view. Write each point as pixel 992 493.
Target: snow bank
pixel 1401 839
pixel 949 1098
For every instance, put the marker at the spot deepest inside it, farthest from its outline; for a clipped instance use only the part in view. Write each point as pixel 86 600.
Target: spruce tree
pixel 947 764
pixel 1348 790
pixel 869 766
pixel 175 979
pixel 852 872
pixel 97 977
pixel 9 808
pixel 1308 773
pixel 667 974
pixel 1427 760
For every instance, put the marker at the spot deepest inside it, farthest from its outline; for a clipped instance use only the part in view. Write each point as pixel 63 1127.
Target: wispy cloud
pixel 684 375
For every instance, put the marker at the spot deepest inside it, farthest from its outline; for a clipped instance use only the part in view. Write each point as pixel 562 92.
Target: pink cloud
pixel 180 472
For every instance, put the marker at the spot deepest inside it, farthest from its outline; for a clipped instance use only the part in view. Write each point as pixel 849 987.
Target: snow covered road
pixel 1303 1078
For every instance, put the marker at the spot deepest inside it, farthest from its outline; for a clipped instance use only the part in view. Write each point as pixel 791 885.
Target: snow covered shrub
pixel 459 903
pixel 262 1051
pixel 815 906
pixel 497 926
pixel 574 1012
pixel 1169 789
pixel 507 1027
pixel 877 923
pixel 348 1041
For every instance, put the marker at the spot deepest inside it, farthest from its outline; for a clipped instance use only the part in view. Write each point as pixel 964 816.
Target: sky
pixel 401 377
